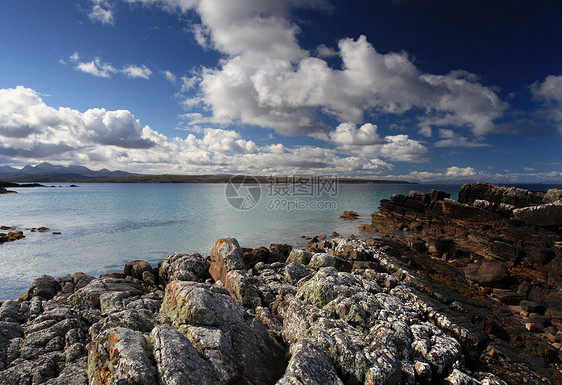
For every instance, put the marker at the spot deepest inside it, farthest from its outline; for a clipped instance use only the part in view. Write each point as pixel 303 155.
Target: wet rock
pixel 309 366
pixel 280 250
pixel 259 254
pixel 140 270
pixel 45 286
pixel 121 354
pixel 183 267
pixel 349 215
pixel 489 274
pixel 436 195
pixel 178 362
pixel 225 256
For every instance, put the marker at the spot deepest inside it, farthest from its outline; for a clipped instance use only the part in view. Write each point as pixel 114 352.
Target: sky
pixel 413 90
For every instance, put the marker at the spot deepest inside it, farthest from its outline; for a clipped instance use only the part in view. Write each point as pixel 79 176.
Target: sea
pixel 102 226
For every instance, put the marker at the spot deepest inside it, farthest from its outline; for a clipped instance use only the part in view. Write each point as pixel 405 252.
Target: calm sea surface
pixel 104 225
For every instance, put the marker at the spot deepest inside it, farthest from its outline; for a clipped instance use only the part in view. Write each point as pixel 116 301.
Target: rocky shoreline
pixel 344 311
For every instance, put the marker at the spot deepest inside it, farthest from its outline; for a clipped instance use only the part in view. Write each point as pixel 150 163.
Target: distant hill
pixel 46 172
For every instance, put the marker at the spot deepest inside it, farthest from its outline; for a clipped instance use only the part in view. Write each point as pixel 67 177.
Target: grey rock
pixel 75 373
pixel 183 267
pixel 75 352
pixel 224 323
pixel 243 287
pixel 139 320
pixel 300 256
pixel 11 311
pixel 216 346
pixel 178 361
pixel 120 354
pixel 320 260
pixel 44 286
pixel 294 272
pixel 552 195
pixel 309 366
pixel 89 295
pixel 328 284
pixel 200 305
pixel 549 214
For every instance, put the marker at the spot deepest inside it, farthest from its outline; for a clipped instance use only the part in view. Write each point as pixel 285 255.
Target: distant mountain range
pixel 45 172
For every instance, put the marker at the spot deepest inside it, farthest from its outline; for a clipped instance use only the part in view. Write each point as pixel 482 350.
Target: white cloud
pixel 365 143
pixel 325 51
pixel 101 12
pixel 169 77
pixel 133 71
pixel 96 68
pixel 267 79
pixel 550 93
pixel 346 133
pixel 426 131
pixel 469 174
pixel 451 139
pixel 462 172
pixel 102 69
pixel 31 132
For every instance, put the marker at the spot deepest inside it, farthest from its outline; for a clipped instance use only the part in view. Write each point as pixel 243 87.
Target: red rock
pixel 225 256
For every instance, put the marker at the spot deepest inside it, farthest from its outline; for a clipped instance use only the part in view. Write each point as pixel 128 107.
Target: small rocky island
pixel 414 307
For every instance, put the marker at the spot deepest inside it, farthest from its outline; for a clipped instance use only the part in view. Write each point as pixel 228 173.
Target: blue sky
pixel 398 89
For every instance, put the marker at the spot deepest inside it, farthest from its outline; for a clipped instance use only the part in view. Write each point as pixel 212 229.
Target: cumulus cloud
pixel 347 133
pixel 101 12
pixel 451 139
pixel 29 128
pixel 133 71
pixel 365 142
pixel 97 67
pixel 267 79
pixel 550 93
pixel 470 174
pixel 31 131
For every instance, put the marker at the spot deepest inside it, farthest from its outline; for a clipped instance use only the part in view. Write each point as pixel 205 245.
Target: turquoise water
pixel 104 225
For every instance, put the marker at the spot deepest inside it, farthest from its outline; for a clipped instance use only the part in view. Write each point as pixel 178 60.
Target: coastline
pixel 414 306
pixel 284 312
